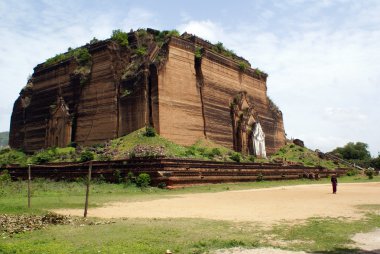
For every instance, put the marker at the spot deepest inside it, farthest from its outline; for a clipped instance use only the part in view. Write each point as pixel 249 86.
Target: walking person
pixel 334 182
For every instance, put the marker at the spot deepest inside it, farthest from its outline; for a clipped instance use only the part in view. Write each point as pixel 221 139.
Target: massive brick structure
pixel 183 86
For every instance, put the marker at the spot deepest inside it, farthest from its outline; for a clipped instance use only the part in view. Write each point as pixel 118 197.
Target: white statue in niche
pixel 258 139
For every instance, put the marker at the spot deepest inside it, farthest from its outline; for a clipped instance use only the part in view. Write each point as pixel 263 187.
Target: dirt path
pixel 263 205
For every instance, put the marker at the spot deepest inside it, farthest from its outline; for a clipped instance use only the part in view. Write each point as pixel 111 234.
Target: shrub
pixel 42 157
pixel 235 157
pixel 82 56
pixel 242 66
pixel 130 178
pixel 141 51
pixel 216 152
pixel 143 180
pixel 86 156
pixel 150 131
pixel 353 172
pixel 5 176
pixel 252 158
pixel 260 177
pixel 369 172
pixel 117 176
pixel 120 37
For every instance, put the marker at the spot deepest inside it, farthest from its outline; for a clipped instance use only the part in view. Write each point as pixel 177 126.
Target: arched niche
pixel 59 125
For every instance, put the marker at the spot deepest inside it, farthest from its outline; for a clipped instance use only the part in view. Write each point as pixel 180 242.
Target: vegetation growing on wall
pixel 120 37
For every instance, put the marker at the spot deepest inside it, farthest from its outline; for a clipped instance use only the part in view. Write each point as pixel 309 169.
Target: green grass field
pixel 156 235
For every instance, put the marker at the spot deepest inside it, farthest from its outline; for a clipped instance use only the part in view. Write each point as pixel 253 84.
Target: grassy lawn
pixel 156 235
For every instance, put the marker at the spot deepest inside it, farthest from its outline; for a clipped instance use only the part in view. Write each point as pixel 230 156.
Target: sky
pixel 322 56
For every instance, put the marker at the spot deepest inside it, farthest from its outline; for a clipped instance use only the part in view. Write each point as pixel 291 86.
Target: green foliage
pixel 235 157
pixel 43 157
pixel 5 176
pixel 375 162
pixel 143 180
pixel 297 154
pixel 86 155
pixel 120 37
pixel 10 156
pixel 260 177
pixel 141 51
pixel 150 131
pixel 258 71
pixel 161 185
pixel 243 66
pixel 370 172
pixel 117 176
pixel 163 35
pixel 126 93
pixel 353 172
pixel 353 151
pixel 94 40
pixel 82 56
pixel 53 155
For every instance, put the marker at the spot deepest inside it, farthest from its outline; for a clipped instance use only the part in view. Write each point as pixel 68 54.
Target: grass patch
pixel 325 234
pixel 305 156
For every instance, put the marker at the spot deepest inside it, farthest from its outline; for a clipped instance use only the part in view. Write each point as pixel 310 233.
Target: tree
pixel 353 151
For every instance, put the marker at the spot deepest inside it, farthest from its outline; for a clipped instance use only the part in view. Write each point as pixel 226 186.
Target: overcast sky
pixel 322 57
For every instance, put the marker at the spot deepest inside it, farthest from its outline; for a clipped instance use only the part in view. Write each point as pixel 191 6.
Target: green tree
pixel 353 151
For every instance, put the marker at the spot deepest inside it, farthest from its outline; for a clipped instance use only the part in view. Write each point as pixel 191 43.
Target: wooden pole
pixel 29 181
pixel 88 188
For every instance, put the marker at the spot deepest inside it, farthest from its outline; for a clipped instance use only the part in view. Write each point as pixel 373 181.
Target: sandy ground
pixel 267 206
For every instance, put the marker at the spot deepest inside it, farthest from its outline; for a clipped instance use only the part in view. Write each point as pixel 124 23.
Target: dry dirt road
pixel 266 206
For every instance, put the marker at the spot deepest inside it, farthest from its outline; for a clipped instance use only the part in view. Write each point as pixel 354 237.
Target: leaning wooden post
pixel 87 188
pixel 29 180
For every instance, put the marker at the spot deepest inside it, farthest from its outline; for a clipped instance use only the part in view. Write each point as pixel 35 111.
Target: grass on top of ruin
pixel 47 194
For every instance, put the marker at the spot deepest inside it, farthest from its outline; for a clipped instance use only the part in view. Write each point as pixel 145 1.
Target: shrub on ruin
pixel 150 131
pixel 235 157
pixel 161 185
pixel 82 56
pixel 86 155
pixel 42 157
pixel 120 37
pixel 143 180
pixel 215 152
pixel 141 51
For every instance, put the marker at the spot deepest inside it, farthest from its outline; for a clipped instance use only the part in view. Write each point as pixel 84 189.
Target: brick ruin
pixel 183 86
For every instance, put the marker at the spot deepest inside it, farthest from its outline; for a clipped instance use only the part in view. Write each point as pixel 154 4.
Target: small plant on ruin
pixel 82 56
pixel 94 40
pixel 260 177
pixel 150 131
pixel 86 156
pixel 242 66
pixel 143 180
pixel 235 157
pixel 141 51
pixel 120 37
pixel 161 185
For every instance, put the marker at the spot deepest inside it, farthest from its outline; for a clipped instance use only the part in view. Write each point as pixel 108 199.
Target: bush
pixel 353 172
pixel 143 180
pixel 141 51
pixel 150 131
pixel 260 177
pixel 42 157
pixel 130 178
pixel 5 176
pixel 235 157
pixel 214 152
pixel 117 176
pixel 86 156
pixel 369 172
pixel 252 158
pixel 82 56
pixel 120 37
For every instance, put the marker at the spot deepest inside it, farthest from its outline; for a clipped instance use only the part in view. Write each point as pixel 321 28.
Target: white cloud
pixel 205 29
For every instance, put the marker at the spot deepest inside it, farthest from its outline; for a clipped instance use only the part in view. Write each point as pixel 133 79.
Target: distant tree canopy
pixel 353 151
